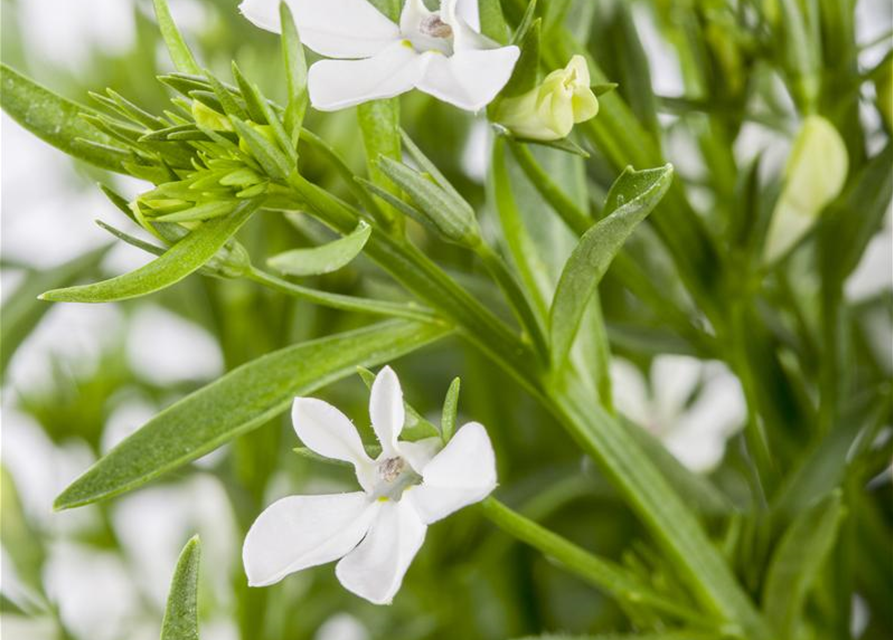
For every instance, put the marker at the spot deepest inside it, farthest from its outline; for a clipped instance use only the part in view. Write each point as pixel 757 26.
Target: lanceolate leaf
pixel 240 401
pixel 325 259
pixel 180 54
pixel 181 613
pixel 295 74
pixel 797 561
pixel 183 258
pixel 58 121
pixel 633 196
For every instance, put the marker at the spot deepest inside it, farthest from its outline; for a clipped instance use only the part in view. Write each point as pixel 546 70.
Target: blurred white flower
pixel 437 52
pixel 377 531
pixel 341 626
pixel 693 407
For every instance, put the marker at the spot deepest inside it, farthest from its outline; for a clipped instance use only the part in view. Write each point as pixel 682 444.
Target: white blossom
pixel 693 407
pixel 375 532
pixel 370 57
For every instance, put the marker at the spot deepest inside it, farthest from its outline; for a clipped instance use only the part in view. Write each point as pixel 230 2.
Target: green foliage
pixel 324 259
pixel 181 613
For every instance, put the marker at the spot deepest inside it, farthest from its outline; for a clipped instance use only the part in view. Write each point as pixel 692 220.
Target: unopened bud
pixel 550 111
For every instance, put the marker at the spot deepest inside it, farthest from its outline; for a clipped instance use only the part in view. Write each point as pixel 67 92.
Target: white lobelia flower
pixel 693 407
pixel 377 531
pixel 437 52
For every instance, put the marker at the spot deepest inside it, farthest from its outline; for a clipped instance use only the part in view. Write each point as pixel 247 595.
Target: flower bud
pixel 549 111
pixel 206 117
pixel 814 176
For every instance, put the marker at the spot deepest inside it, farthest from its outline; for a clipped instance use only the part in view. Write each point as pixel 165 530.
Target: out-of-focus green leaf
pixel 179 51
pixel 797 562
pixel 20 539
pixel 23 310
pixel 493 24
pixel 181 613
pixel 325 259
pixel 58 121
pixel 183 258
pixel 295 74
pixel 240 401
pixel 633 196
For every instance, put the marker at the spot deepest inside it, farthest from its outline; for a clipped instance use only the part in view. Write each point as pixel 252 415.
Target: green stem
pixel 410 311
pixel 603 574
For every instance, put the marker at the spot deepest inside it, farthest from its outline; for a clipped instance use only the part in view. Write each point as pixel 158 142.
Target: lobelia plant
pixel 747 482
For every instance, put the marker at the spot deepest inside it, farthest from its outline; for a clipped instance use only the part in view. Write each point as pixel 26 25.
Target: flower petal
pixel 338 84
pixel 304 531
pixel 419 453
pixel 328 432
pixel 386 410
pixel 333 28
pixel 375 569
pixel 460 475
pixel 469 12
pixel 469 79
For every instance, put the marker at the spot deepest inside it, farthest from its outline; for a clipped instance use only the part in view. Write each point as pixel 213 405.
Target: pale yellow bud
pixel 814 176
pixel 549 111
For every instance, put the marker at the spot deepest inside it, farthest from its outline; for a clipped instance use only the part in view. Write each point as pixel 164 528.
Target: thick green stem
pixel 603 574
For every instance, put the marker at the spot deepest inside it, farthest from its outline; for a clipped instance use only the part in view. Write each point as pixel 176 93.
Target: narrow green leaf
pixel 295 74
pixel 250 94
pixel 22 310
pixel 200 212
pixel 525 75
pixel 325 259
pixel 493 24
pixel 380 124
pixel 633 196
pixel 179 51
pixel 181 613
pixel 58 121
pixel 797 562
pixel 240 401
pixel 450 409
pixel 273 161
pixel 183 258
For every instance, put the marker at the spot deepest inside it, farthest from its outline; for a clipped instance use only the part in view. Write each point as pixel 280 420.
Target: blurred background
pixel 79 378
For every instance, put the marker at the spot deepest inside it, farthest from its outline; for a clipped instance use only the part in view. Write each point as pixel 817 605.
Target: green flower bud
pixel 206 117
pixel 549 111
pixel 814 176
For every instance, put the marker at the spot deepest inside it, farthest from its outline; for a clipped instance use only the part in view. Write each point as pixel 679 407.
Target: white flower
pixel 377 531
pixel 437 52
pixel 693 407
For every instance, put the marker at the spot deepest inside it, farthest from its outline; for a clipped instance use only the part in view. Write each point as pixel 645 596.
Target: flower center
pixel 434 27
pixel 394 476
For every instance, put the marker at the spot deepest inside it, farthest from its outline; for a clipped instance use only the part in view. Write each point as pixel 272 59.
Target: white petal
pixel 631 392
pixel 674 379
pixel 375 569
pixel 328 432
pixel 386 410
pixel 419 453
pixel 469 79
pixel 469 12
pixel 333 28
pixel 338 84
pixel 304 531
pixel 460 475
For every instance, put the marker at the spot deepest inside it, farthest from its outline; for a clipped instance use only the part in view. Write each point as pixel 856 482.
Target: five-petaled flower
pixel 438 52
pixel 377 531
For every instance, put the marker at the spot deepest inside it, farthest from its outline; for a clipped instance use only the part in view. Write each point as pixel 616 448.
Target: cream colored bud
pixel 549 111
pixel 814 176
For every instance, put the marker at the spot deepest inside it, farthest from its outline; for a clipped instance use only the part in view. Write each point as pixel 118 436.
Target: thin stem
pixel 531 321
pixel 410 311
pixel 603 574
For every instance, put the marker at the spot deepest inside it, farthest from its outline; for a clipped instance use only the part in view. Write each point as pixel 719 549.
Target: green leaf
pixel 450 409
pixel 633 196
pixel 181 613
pixel 179 51
pixel 239 402
pixel 493 24
pixel 273 161
pixel 58 121
pixel 797 562
pixel 22 310
pixel 525 75
pixel 325 259
pixel 183 258
pixel 295 74
pixel 380 124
